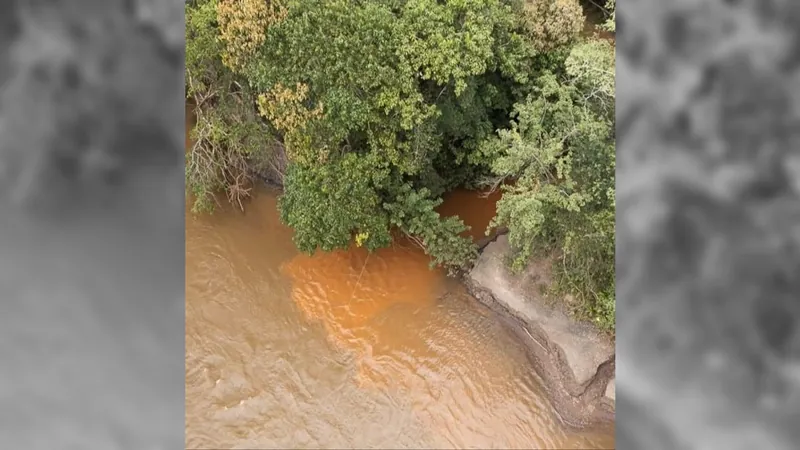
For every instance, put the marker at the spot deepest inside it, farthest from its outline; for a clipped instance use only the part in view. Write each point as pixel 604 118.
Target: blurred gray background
pixel 708 224
pixel 91 224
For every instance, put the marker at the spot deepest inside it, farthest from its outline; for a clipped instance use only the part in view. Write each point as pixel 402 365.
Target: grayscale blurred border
pixel 91 224
pixel 708 224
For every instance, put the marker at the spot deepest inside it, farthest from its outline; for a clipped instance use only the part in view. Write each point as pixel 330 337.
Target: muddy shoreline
pixel 574 360
pixel 577 405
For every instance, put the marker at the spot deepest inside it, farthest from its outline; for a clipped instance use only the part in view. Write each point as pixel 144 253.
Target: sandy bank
pixel 574 360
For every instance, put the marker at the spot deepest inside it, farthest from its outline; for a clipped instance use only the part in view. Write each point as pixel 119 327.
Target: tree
pixel 611 23
pixel 231 144
pixel 369 99
pixel 550 24
pixel 560 152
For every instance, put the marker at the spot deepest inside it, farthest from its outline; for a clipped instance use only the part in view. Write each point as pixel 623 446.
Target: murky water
pixel 348 349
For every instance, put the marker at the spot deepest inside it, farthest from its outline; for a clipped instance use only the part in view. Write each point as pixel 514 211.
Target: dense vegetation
pixel 368 111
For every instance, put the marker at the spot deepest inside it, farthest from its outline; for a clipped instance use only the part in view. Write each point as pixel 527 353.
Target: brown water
pixel 348 349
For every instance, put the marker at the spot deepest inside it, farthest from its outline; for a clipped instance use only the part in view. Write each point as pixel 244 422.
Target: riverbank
pixel 574 360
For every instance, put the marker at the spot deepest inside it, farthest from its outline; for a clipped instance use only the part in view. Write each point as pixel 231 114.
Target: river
pixel 349 349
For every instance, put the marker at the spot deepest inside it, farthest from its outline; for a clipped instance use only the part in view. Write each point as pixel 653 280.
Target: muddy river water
pixel 349 349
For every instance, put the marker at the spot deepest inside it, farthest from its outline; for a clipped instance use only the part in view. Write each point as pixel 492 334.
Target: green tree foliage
pixel 611 22
pixel 327 203
pixel 399 89
pixel 550 24
pixel 413 212
pixel 560 151
pixel 230 141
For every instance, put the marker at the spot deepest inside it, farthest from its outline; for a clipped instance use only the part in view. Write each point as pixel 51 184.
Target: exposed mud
pixel 575 361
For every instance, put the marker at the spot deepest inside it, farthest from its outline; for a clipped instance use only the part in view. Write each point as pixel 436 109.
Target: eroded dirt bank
pixel 574 360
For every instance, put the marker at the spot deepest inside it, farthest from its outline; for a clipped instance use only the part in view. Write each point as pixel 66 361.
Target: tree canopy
pixel 370 110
